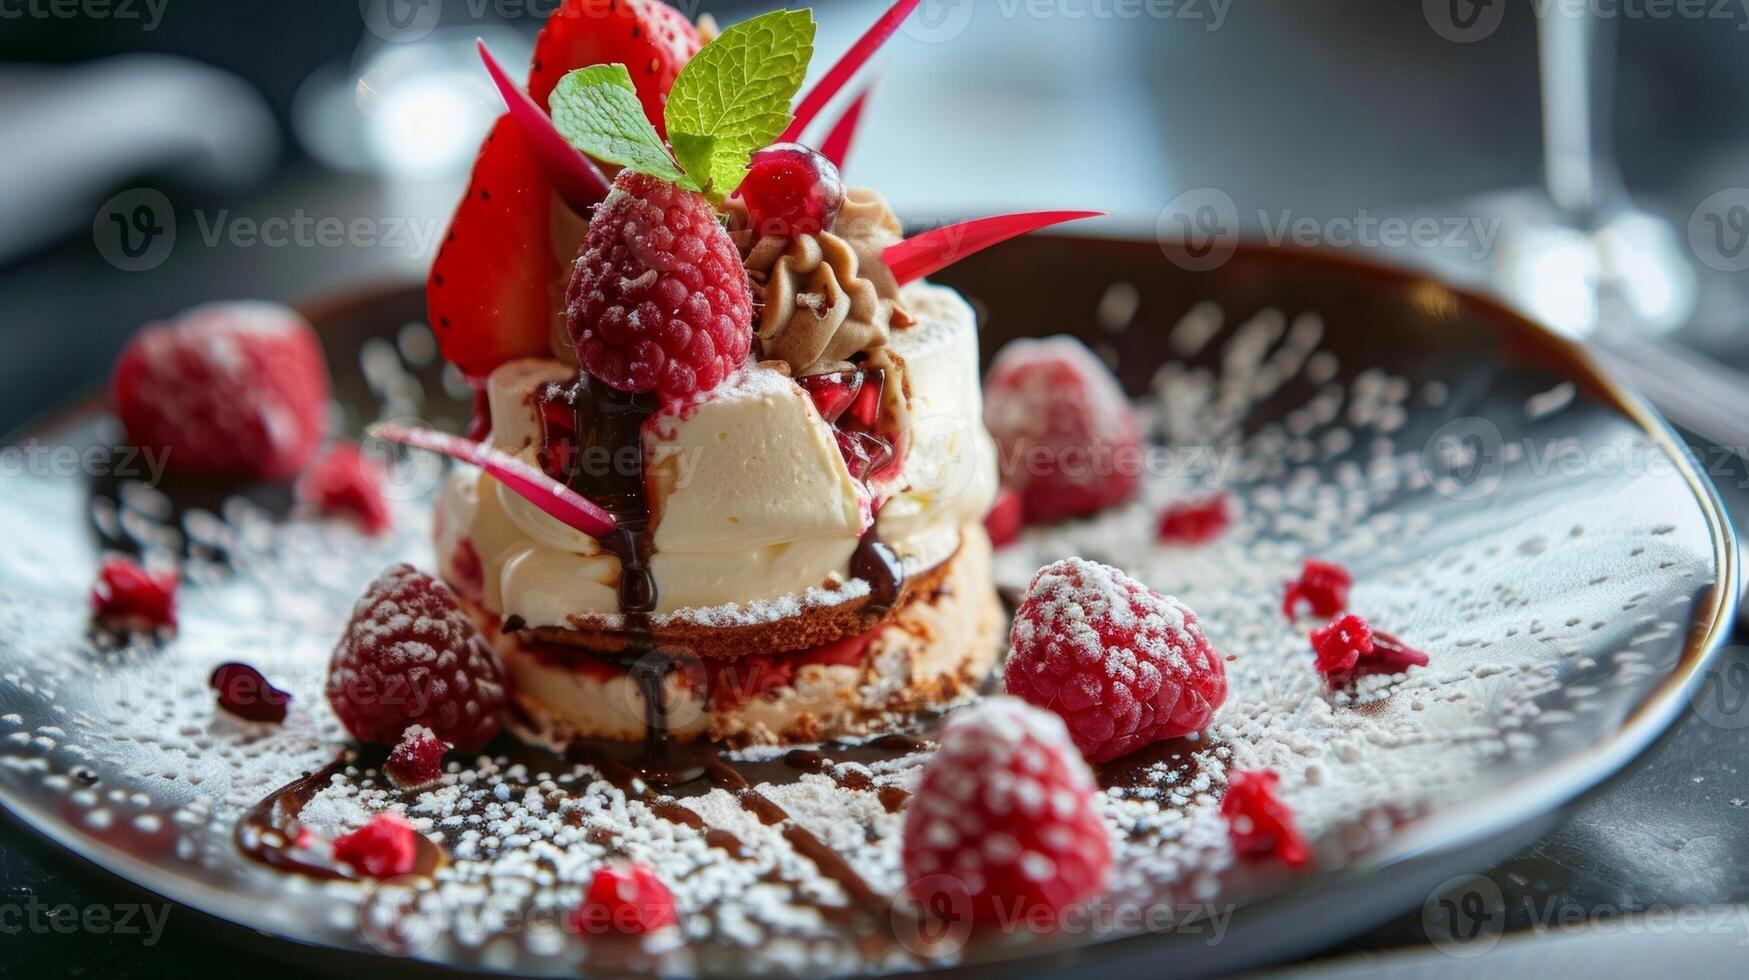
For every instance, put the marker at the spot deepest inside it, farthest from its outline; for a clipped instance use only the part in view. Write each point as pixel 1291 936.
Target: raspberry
pixel 659 300
pixel 1123 665
pixel 383 848
pixel 127 595
pixel 1259 823
pixel 1005 518
pixel 345 481
pixel 1005 824
pixel 417 760
pixel 245 693
pixel 1196 521
pixel 791 190
pixel 627 899
pixel 411 656
pixel 1322 586
pixel 1064 428
pixel 227 389
pixel 1350 648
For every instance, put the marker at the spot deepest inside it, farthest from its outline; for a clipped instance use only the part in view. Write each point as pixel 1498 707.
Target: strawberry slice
pixel 652 39
pixel 491 294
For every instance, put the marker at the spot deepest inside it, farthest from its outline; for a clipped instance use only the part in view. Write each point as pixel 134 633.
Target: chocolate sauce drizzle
pixel 269 832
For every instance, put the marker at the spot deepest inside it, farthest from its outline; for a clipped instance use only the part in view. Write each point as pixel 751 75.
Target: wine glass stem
pixel 1575 49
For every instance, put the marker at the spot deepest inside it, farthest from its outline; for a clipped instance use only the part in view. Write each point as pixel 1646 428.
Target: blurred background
pixel 163 152
pixel 1587 159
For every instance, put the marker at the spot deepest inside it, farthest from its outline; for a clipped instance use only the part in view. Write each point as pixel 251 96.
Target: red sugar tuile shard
pixel 1259 823
pixel 836 146
pixel 576 177
pixel 1350 648
pixel 932 251
pixel 841 73
pixel 243 692
pixel 554 499
pixel 1322 588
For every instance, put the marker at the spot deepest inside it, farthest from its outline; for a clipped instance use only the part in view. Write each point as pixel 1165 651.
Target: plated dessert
pixel 696 664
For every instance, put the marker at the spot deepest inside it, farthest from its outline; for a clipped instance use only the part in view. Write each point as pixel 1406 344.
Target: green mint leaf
pixel 734 96
pixel 597 110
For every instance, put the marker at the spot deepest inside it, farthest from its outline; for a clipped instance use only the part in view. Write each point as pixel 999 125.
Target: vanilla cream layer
pixel 955 635
pixel 751 502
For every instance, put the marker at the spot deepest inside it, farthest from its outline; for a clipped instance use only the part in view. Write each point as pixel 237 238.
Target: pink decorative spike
pixel 576 177
pixel 837 145
pixel 558 501
pixel 932 251
pixel 847 66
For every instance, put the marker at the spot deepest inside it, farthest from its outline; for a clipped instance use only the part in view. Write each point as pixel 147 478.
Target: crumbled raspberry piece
pixel 659 300
pixel 1005 817
pixel 410 656
pixel 245 693
pixel 1195 521
pixel 625 899
pixel 1260 824
pixel 1123 665
pixel 347 482
pixel 228 389
pixel 1322 587
pixel 127 595
pixel 1066 432
pixel 382 848
pixel 1005 519
pixel 417 760
pixel 1349 648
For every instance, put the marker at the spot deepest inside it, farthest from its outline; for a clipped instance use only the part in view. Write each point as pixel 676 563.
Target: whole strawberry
pixel 659 300
pixel 1005 819
pixel 1069 442
pixel 1123 665
pixel 236 390
pixel 410 656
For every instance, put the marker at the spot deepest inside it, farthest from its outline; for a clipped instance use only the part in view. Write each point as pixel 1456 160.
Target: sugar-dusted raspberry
pixel 659 300
pixel 1070 445
pixel 242 691
pixel 626 899
pixel 1123 665
pixel 1005 519
pixel 410 656
pixel 1005 818
pixel 346 482
pixel 1195 521
pixel 1349 648
pixel 128 596
pixel 382 848
pixel 417 760
pixel 1322 587
pixel 228 389
pixel 1259 823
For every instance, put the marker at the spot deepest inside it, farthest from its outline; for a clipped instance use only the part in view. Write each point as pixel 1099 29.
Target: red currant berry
pixel 791 190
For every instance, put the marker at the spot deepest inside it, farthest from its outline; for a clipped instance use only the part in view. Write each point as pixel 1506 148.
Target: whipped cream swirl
pixel 828 297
